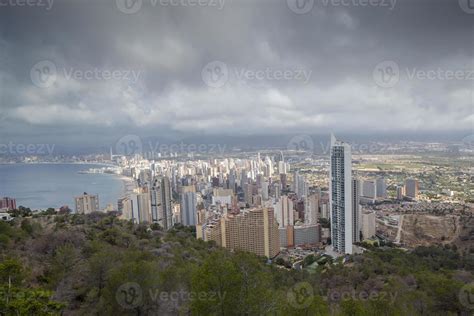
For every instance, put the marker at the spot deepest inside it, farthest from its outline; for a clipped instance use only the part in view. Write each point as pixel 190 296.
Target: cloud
pixel 168 46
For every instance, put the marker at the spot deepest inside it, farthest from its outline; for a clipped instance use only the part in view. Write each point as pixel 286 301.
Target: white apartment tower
pixel 340 196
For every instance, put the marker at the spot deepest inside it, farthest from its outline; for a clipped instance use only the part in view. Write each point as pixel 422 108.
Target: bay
pixel 39 186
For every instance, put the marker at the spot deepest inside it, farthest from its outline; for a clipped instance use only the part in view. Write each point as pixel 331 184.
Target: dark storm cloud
pixel 277 71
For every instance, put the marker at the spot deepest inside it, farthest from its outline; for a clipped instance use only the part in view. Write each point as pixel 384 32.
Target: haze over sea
pixel 40 186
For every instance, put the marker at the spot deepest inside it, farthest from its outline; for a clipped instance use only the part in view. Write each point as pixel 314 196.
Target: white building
pixel 355 210
pixel 284 211
pixel 368 225
pixel 188 208
pixel 340 196
pixel 311 210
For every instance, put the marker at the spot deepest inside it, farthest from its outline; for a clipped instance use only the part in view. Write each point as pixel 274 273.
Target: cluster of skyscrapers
pixel 252 204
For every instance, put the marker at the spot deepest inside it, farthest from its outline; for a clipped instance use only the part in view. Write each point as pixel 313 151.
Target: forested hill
pixel 99 265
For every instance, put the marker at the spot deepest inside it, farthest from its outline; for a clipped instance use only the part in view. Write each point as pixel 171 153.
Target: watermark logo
pixel 301 143
pixel 133 6
pixel 371 295
pixel 300 295
pixel 12 148
pixel 129 145
pixel 390 4
pixel 129 295
pixel 47 4
pixel 467 6
pixel 43 74
pixel 466 295
pixel 300 6
pixel 386 74
pixel 129 6
pixel 215 74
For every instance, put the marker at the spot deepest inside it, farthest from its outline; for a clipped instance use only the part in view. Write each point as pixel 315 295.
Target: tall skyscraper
pixel 311 210
pixel 381 187
pixel 340 196
pixel 411 188
pixel 188 208
pixel 142 207
pixel 284 211
pixel 355 210
pixel 86 203
pixel 160 195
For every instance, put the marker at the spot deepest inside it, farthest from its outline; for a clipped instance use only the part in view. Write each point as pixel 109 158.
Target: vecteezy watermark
pixel 130 145
pixel 301 143
pixel 47 4
pixel 216 74
pixel 133 6
pixel 183 295
pixel 12 148
pixel 300 295
pixel 300 6
pixel 44 74
pixel 390 4
pixel 387 74
pixel 363 295
pixel 360 148
pixel 305 6
pixel 129 295
pixel 466 295
pixel 467 6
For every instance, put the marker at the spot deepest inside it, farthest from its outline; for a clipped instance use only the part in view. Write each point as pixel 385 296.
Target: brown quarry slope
pixel 423 229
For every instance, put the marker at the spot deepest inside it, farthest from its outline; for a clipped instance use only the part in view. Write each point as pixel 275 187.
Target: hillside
pixel 97 264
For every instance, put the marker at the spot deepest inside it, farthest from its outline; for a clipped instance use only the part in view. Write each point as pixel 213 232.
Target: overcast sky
pixel 93 71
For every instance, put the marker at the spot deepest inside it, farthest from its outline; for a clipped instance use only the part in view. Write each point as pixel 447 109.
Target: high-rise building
pixel 125 208
pixel 8 203
pixel 355 210
pixel 254 230
pixel 283 180
pixel 381 188
pixel 160 195
pixel 369 189
pixel 411 188
pixel 141 207
pixel 284 211
pixel 368 225
pixel 87 203
pixel 400 192
pixel 340 196
pixel 188 208
pixel 311 210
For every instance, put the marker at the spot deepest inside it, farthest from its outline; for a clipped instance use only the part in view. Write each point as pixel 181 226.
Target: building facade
pixel 340 196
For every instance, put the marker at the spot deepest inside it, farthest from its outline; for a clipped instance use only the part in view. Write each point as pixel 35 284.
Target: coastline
pixel 125 187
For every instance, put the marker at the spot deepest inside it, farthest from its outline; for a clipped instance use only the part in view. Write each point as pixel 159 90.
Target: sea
pixel 40 186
